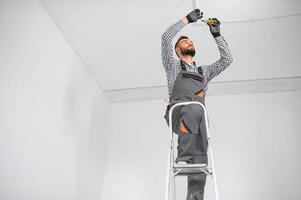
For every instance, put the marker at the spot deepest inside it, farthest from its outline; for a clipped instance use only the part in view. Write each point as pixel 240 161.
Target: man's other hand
pixel 194 15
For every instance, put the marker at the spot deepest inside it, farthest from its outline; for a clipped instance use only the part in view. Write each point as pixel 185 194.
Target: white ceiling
pixel 119 41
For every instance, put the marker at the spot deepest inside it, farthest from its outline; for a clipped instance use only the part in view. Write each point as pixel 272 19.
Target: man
pixel 188 82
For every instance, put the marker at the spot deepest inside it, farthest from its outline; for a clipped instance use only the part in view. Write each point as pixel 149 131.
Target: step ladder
pixel 175 169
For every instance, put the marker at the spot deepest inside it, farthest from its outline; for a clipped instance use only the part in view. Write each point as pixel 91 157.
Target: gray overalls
pixel 189 124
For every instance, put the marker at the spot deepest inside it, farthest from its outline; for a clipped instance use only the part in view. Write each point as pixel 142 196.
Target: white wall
pixel 256 143
pixel 53 121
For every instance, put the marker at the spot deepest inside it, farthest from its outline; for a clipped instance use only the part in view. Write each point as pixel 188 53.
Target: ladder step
pixel 191 169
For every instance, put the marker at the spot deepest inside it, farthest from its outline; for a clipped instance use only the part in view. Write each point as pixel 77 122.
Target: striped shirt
pixel 172 66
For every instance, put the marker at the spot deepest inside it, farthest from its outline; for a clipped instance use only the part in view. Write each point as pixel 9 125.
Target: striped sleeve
pixel 167 50
pixel 221 64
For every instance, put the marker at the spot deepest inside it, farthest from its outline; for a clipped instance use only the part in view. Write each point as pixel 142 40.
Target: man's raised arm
pixel 167 37
pixel 225 54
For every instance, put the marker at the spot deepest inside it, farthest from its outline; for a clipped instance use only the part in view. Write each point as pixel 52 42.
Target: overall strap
pixel 183 65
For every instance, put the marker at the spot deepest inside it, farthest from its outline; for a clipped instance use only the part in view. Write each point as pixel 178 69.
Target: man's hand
pixel 194 15
pixel 215 27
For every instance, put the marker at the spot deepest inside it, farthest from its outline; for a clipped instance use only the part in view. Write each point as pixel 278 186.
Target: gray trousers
pixel 196 184
pixel 192 147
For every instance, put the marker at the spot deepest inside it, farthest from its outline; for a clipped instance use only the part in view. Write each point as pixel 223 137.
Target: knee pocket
pixel 190 123
pixel 183 127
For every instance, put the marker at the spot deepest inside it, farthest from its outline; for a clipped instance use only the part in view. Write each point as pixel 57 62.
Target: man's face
pixel 186 47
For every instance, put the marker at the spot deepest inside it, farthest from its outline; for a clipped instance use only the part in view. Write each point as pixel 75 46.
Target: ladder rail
pixel 171 153
pixel 169 167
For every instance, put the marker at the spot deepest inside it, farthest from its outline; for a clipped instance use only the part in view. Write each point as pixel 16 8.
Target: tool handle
pixel 210 21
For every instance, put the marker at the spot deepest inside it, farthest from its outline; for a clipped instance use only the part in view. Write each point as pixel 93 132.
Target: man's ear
pixel 178 52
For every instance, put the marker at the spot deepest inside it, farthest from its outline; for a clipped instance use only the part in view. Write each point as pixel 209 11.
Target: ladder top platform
pixel 191 169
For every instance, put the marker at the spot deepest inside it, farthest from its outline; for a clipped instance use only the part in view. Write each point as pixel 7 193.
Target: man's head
pixel 184 46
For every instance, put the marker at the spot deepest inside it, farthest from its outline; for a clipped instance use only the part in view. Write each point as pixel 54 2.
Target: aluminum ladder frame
pixel 174 169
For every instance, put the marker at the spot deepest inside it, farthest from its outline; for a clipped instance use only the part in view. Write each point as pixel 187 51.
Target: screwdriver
pixel 210 21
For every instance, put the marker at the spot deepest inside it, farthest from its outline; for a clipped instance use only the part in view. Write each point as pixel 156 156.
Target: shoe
pixel 182 163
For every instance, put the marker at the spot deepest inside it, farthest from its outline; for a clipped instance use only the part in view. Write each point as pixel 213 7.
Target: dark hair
pixel 180 38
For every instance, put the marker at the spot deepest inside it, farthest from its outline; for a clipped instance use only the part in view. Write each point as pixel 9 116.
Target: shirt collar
pixel 192 64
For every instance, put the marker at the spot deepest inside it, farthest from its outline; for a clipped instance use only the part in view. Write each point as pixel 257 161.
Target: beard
pixel 188 52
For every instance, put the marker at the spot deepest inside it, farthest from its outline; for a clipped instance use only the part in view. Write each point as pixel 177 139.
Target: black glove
pixel 215 27
pixel 194 15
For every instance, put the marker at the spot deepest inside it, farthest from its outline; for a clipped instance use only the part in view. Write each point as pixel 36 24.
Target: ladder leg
pixel 172 186
pixel 167 187
pixel 211 154
pixel 213 171
pixel 170 181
